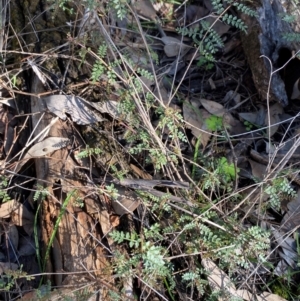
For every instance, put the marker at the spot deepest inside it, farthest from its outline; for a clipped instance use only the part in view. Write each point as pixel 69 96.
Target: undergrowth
pixel 203 229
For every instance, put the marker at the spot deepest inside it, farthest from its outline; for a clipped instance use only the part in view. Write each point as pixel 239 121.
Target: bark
pixel 263 44
pixel 77 246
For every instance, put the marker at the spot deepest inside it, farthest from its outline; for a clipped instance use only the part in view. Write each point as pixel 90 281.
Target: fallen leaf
pixel 79 109
pixel 219 26
pixel 173 46
pixel 195 118
pixel 141 183
pixel 145 8
pixel 213 107
pixel 253 118
pixel 258 170
pixel 46 146
pixel 9 102
pixel 275 111
pixel 293 212
pixel 126 202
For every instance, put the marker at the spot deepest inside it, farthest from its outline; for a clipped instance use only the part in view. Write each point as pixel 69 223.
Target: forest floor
pixel 140 160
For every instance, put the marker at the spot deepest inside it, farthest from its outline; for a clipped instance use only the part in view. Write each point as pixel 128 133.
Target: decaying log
pixel 76 247
pixel 77 254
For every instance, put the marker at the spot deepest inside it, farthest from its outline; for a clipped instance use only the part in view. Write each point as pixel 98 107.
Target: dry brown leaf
pixel 173 46
pixel 192 13
pixel 275 111
pixel 161 93
pixel 252 118
pixel 58 294
pixel 296 92
pixel 28 228
pixel 110 107
pixel 9 139
pixel 291 219
pixel 146 9
pixel 232 95
pixel 126 203
pixel 195 121
pixel 105 221
pixel 147 184
pixel 258 170
pixel 46 146
pixel 220 27
pixel 213 107
pixel 9 102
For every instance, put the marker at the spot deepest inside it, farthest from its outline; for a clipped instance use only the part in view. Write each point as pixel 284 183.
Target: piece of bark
pixel 262 43
pixel 77 232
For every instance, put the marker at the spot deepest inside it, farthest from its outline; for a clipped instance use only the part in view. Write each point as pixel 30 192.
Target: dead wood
pixel 262 45
pixel 77 253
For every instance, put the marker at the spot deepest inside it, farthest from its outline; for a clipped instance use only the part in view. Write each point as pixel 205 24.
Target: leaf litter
pixel 208 96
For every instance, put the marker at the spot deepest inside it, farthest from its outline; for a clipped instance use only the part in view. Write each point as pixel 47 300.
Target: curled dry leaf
pixel 79 109
pixel 217 109
pixel 258 170
pixel 195 120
